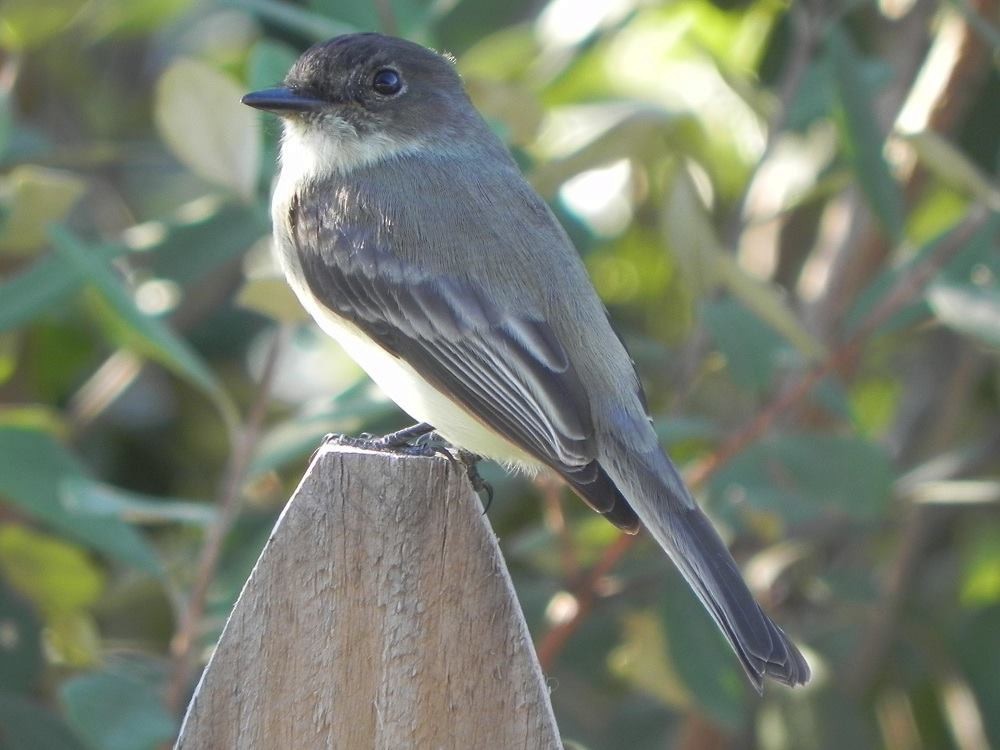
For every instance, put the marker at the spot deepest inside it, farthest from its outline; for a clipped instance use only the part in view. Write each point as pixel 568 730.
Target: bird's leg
pixel 471 463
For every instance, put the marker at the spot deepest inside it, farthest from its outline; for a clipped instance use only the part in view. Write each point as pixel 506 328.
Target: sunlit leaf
pixel 98 499
pixel 610 132
pixel 34 467
pixel 199 115
pixel 689 234
pixel 149 335
pixel 33 417
pixel 127 18
pixel 968 309
pixel 56 576
pixel 863 140
pixel 24 23
pixel 117 711
pixel 766 302
pixel 981 584
pixel 643 659
pixel 272 297
pixel 33 198
pixel 874 403
pixel 953 167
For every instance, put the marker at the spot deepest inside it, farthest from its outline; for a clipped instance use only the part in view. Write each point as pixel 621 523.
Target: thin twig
pixel 905 290
pixel 551 489
pixel 184 640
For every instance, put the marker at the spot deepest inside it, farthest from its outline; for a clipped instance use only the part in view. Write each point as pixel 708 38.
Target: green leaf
pixel 807 476
pixel 863 140
pixel 752 349
pixel 979 251
pixel 148 335
pixel 293 18
pixel 98 499
pixel 703 263
pixel 765 300
pixel 201 237
pixel 701 657
pixel 981 576
pixel 348 413
pixel 33 198
pixel 968 309
pixel 979 662
pixel 26 23
pixel 21 659
pixel 643 660
pixel 690 236
pixel 675 429
pixel 269 62
pixel 129 18
pixel 45 285
pixel 199 115
pixel 58 577
pixel 272 297
pixel 34 467
pixel 953 167
pixel 27 726
pixel 116 711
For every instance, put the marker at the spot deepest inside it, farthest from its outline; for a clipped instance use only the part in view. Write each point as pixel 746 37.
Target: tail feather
pixel 658 496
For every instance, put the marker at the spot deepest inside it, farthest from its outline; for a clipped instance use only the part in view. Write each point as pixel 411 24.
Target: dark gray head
pixel 369 94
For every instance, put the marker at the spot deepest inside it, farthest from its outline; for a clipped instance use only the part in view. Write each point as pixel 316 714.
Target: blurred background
pixel 790 210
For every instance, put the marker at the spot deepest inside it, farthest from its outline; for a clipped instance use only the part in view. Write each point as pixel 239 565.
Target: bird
pixel 408 232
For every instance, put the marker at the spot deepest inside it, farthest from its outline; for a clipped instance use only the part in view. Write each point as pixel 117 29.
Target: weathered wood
pixel 379 615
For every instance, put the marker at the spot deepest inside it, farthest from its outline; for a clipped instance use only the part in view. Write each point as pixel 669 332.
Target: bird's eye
pixel 387 82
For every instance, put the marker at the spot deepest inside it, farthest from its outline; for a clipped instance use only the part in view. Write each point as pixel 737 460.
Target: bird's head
pixel 360 98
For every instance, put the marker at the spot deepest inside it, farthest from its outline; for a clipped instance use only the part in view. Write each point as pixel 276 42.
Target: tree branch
pixel 184 640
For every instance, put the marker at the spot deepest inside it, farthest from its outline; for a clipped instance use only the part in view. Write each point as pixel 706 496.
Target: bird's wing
pixel 507 368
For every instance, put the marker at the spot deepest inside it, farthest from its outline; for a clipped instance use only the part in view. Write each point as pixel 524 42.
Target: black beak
pixel 281 100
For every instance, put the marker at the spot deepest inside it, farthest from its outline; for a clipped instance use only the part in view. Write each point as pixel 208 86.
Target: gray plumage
pixel 416 229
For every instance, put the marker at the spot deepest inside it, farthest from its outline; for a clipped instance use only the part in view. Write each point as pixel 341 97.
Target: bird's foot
pixel 409 441
pixel 418 440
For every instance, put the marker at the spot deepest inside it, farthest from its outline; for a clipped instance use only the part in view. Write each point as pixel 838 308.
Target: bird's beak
pixel 282 100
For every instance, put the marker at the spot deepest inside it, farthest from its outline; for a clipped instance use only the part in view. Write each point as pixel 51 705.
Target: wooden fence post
pixel 379 615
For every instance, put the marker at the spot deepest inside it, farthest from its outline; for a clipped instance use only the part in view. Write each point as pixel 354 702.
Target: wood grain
pixel 379 615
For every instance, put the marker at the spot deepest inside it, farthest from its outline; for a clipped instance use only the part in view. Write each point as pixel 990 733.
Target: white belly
pixel 412 393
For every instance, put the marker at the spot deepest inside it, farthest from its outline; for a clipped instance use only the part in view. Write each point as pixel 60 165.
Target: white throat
pixel 319 150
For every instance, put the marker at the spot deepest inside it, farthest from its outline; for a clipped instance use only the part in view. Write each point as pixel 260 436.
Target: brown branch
pixel 184 640
pixel 905 291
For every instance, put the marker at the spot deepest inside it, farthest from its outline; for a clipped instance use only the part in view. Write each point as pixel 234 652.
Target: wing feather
pixel 508 369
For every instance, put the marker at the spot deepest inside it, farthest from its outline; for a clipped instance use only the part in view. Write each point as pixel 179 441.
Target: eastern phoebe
pixel 407 231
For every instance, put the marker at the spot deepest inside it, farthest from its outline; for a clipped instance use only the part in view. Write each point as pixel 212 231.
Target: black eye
pixel 387 82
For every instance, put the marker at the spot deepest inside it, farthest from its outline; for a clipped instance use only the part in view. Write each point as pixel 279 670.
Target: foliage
pixel 791 211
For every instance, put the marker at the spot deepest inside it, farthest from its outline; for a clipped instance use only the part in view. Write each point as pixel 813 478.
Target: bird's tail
pixel 656 492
